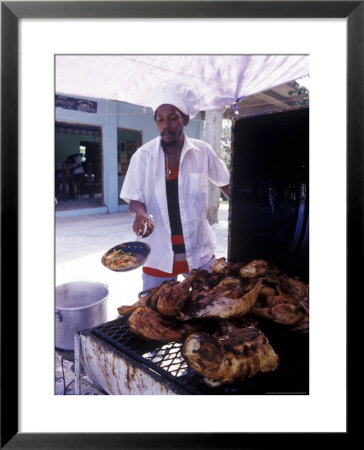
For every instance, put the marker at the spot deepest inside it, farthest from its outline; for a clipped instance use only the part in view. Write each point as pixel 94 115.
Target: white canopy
pixel 218 80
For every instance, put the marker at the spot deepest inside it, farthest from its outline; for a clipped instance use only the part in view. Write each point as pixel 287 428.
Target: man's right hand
pixel 143 224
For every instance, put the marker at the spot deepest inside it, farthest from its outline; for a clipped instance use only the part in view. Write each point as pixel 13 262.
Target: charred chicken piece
pixel 254 269
pixel 280 308
pixel 227 326
pixel 154 296
pixel 302 326
pixel 147 300
pixel 294 287
pixel 227 300
pixel 284 300
pixel 200 288
pixel 228 359
pixel 291 286
pixel 150 324
pixel 221 266
pixel 202 297
pixel 286 313
pixel 211 281
pixel 304 305
pixel 126 310
pixel 172 298
pixel 268 291
pixel 204 278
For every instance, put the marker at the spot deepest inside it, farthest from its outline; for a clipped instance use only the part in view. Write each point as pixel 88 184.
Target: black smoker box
pixel 268 219
pixel 269 213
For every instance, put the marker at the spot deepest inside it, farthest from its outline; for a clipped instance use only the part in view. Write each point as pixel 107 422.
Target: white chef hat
pixel 178 95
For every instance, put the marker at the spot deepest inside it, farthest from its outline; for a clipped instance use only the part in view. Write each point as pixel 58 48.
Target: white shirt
pixel 77 165
pixel 145 182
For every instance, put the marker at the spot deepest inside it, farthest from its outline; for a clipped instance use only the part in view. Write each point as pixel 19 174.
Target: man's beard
pixel 169 144
pixel 172 142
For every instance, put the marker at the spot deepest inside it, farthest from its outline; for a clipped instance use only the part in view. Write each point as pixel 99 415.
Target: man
pixel 168 179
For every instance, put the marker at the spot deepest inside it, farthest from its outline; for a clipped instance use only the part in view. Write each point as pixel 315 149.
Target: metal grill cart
pixel 122 363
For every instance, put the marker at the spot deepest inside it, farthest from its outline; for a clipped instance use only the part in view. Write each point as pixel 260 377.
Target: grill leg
pixel 77 365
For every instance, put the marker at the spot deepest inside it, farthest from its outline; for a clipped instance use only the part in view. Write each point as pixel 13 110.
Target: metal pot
pixel 79 305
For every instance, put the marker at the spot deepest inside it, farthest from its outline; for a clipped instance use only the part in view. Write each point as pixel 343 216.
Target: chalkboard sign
pixel 76 104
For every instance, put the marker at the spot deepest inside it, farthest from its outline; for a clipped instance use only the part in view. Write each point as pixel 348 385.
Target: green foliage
pixel 301 91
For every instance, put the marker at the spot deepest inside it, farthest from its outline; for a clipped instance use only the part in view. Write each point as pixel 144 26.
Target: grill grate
pixel 167 360
pixel 163 358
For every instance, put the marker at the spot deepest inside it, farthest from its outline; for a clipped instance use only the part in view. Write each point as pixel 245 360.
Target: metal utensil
pixel 141 234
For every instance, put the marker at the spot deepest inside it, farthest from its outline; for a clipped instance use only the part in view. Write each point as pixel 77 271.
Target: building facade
pixel 106 134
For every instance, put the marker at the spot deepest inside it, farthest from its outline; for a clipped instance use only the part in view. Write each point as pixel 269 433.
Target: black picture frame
pixel 11 13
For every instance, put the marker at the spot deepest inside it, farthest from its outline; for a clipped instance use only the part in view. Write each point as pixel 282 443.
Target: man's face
pixel 170 124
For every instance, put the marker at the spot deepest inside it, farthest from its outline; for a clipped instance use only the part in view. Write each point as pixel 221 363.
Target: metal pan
pixel 140 250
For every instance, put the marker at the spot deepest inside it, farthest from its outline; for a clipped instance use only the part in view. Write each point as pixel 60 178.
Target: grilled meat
pixel 231 290
pixel 287 304
pixel 149 299
pixel 302 326
pixel 204 278
pixel 221 266
pixel 254 269
pixel 304 305
pixel 126 310
pixel 226 300
pixel 227 359
pixel 150 324
pixel 230 325
pixel 296 288
pixel 214 315
pixel 172 298
pixel 292 286
pixel 283 313
pixel 154 296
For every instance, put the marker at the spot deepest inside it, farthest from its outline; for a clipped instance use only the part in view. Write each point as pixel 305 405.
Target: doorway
pixel 85 190
pixel 128 142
